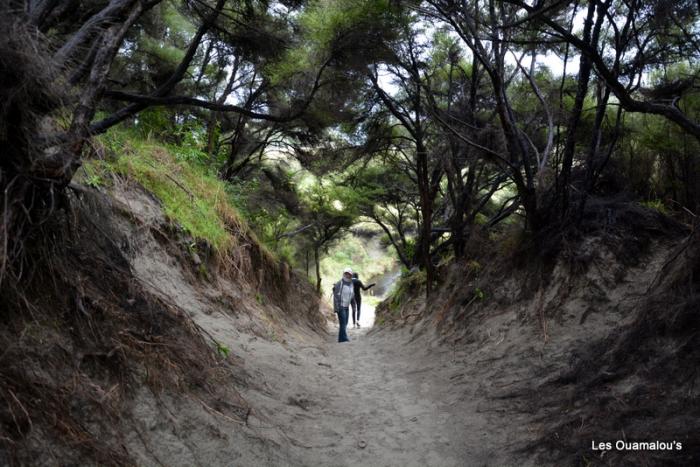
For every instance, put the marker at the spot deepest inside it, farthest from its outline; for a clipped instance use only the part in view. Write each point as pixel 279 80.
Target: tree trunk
pixel 317 261
pixel 426 209
pixel 211 133
pixel 590 36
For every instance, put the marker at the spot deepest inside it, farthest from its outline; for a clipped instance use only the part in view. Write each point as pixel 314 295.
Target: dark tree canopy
pixel 433 119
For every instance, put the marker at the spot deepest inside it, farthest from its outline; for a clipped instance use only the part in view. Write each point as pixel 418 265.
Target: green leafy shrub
pixel 480 219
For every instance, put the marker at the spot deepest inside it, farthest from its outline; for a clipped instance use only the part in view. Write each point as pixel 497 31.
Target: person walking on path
pixel 343 295
pixel 357 300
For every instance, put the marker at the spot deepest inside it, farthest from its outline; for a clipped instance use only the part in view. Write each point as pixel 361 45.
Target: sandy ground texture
pixel 386 398
pixel 377 400
pixel 449 381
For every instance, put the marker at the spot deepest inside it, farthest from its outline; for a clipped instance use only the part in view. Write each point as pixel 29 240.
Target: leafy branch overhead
pixel 437 122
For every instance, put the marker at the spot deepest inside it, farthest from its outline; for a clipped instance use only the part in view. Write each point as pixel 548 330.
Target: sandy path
pixel 378 400
pixel 387 398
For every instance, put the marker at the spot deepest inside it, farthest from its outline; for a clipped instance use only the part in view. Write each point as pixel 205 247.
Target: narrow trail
pixel 377 400
pixel 386 398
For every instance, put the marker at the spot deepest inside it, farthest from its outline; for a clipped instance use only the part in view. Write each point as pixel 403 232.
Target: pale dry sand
pixel 378 400
pixel 387 398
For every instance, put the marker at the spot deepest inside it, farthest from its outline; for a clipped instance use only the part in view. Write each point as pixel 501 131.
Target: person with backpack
pixel 357 301
pixel 343 296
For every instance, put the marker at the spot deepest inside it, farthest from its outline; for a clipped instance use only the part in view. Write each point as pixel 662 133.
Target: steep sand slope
pixel 465 383
pixel 600 351
pixel 378 400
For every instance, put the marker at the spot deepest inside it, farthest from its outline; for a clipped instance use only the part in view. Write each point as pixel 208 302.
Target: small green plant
pixel 94 181
pixel 395 301
pixel 656 205
pixel 260 298
pixel 93 175
pixel 222 349
pixel 479 294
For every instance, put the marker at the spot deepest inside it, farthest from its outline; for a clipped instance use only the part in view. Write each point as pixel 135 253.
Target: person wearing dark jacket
pixel 357 301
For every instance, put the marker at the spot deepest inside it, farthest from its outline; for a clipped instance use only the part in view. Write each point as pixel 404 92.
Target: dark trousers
pixel 343 320
pixel 356 309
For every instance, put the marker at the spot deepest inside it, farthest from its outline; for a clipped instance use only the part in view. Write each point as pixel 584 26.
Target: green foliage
pixel 222 349
pixel 410 249
pixel 355 161
pixel 162 52
pixel 203 272
pixel 92 176
pixel 409 285
pixel 191 197
pixel 154 123
pixel 361 254
pixel 269 220
pixel 656 205
pixel 446 258
pixel 189 153
pixel 333 28
pixel 178 26
pixel 325 20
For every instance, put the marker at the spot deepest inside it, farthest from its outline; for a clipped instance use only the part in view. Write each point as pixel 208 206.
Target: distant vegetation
pixel 366 256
